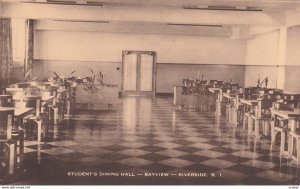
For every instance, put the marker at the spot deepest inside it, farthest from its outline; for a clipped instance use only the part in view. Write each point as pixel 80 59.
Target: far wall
pixel 178 56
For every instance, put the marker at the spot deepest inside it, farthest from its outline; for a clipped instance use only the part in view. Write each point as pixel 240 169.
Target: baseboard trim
pixel 165 94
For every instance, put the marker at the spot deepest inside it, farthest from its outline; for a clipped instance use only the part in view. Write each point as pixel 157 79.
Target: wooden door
pixel 138 73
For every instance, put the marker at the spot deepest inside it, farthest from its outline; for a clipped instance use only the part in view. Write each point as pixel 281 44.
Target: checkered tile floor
pixel 152 136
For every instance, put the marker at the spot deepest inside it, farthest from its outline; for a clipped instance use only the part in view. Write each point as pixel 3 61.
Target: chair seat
pixel 32 117
pixel 248 114
pixel 281 129
pixel 6 141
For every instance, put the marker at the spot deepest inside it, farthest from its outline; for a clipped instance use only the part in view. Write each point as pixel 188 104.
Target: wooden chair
pixel 294 146
pixel 54 108
pixel 11 142
pixel 33 123
pixel 262 123
pixel 279 130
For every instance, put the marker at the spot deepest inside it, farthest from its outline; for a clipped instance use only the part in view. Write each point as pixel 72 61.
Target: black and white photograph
pixel 149 92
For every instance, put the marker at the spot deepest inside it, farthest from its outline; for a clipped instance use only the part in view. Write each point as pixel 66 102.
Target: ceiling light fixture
pixel 86 21
pixel 65 2
pixel 223 8
pixel 194 25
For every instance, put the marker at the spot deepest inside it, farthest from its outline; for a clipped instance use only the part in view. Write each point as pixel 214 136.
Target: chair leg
pixel 282 142
pixel 245 120
pixel 266 128
pixel 19 138
pixel 68 107
pixel 250 126
pixel 298 151
pixel 256 128
pixel 272 141
pixel 11 164
pixel 272 123
pixel 21 146
pixel 39 130
pixel 55 116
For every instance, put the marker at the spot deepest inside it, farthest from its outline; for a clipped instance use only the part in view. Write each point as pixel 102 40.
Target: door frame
pixel 138 73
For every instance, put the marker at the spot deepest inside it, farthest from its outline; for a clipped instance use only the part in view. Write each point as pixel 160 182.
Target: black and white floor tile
pixel 145 135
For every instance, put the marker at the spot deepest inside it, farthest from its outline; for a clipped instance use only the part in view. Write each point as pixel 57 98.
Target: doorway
pixel 138 73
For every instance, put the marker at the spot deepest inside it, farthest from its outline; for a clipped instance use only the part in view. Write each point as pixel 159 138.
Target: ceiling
pixel 275 4
pixel 154 15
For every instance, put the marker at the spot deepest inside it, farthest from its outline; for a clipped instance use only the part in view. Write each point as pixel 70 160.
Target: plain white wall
pixel 262 49
pixel 292 69
pixel 97 46
pixel 293 46
pixel 262 58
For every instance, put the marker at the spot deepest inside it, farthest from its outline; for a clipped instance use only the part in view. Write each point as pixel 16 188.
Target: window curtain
pixel 6 61
pixel 29 48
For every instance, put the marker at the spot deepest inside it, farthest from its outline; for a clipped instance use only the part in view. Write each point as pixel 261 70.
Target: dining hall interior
pixel 112 92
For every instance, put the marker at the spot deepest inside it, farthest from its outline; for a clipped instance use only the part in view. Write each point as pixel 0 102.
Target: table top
pixel 290 93
pixel 47 99
pixel 230 96
pixel 19 112
pixel 248 102
pixel 62 90
pixel 5 95
pixel 214 89
pixel 44 98
pixel 286 114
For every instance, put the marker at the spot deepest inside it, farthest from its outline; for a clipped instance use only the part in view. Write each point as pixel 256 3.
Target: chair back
pixel 33 101
pixel 251 93
pixel 33 83
pixel 267 102
pixel 32 91
pixel 6 100
pixel 290 97
pixel 6 123
pixel 23 85
pixel 46 93
pixel 44 86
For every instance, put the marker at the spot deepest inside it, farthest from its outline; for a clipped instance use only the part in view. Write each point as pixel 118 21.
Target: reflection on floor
pixel 145 136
